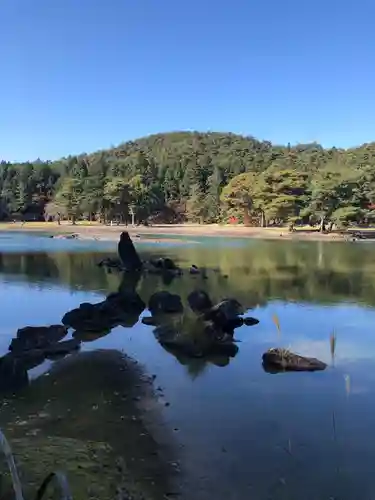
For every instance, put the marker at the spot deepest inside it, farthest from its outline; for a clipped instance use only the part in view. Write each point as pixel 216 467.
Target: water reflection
pixel 245 433
pixel 311 272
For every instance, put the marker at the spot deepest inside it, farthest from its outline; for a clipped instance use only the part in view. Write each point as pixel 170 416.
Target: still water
pixel 242 433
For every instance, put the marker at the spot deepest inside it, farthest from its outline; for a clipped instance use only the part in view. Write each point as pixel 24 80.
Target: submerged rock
pixel 128 254
pixel 278 359
pixel 165 302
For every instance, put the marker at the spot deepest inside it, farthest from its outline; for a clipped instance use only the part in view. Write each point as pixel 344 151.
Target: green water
pixel 241 432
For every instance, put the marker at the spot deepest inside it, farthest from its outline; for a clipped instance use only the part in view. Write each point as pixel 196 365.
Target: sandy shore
pixel 101 232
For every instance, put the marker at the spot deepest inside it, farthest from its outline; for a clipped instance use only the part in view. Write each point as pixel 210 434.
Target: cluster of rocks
pixel 129 261
pixel 210 331
pixel 200 330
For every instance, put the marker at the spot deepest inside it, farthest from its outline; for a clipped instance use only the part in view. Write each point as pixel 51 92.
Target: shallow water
pixel 243 433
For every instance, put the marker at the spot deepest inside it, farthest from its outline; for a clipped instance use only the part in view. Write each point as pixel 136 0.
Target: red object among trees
pixel 233 220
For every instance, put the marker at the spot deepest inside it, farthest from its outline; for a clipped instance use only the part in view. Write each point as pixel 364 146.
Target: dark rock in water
pixel 150 321
pixel 13 374
pixel 128 253
pixel 37 337
pixel 199 301
pixel 250 321
pixel 121 308
pixel 64 347
pixel 224 313
pixel 165 302
pixel 278 360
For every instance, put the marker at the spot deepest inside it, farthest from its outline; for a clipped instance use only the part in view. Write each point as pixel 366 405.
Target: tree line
pixel 198 177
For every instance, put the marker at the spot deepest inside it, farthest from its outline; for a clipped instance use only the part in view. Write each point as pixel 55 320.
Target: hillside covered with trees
pixel 201 177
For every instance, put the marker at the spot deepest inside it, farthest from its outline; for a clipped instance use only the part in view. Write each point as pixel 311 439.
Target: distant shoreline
pixel 109 233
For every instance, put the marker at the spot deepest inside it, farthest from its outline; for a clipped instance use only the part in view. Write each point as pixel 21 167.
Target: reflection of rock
pixel 278 360
pixel 37 337
pixel 128 253
pixel 199 301
pixel 165 302
pixel 162 263
pixel 111 263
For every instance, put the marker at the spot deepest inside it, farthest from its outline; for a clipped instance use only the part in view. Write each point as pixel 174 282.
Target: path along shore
pixel 104 232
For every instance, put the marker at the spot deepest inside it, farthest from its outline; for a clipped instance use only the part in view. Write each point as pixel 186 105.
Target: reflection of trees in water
pixel 258 272
pixel 253 274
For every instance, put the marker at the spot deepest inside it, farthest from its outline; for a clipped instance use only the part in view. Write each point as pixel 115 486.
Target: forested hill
pixel 195 176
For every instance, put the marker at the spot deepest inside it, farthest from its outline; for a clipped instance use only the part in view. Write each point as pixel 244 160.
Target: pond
pixel 240 432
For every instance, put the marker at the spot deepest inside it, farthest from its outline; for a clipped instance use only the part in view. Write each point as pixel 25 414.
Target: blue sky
pixel 80 75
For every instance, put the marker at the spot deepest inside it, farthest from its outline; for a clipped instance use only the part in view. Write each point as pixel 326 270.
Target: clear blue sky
pixel 79 75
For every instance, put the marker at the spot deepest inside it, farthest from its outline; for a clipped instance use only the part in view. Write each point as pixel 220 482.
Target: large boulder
pixel 165 302
pixel 13 374
pixel 280 360
pixel 128 254
pixel 37 337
